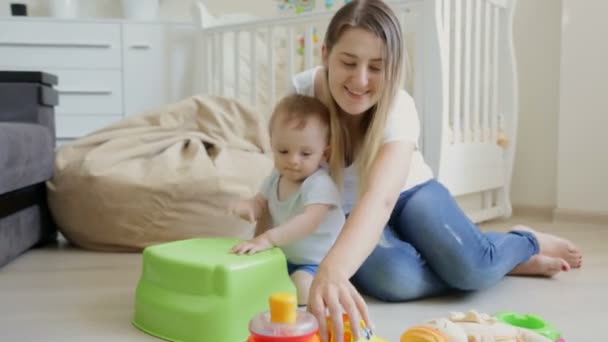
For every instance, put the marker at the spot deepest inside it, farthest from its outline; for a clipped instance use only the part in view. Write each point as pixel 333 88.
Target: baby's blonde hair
pixel 376 17
pixel 299 109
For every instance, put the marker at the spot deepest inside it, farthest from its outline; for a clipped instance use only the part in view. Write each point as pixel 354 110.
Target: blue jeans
pixel 430 246
pixel 312 269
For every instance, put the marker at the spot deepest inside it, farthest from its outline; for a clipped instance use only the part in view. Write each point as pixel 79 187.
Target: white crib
pixel 459 66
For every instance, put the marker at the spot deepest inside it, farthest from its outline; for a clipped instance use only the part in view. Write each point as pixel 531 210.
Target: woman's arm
pixel 331 289
pixel 365 223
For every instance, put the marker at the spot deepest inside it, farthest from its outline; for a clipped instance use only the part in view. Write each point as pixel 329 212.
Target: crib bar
pixel 253 69
pixel 476 73
pixel 237 65
pixel 214 70
pixel 447 14
pixel 405 74
pixel 486 72
pixel 271 63
pixel 290 49
pixel 495 61
pixel 456 81
pixel 446 39
pixel 466 108
pixel 220 64
pixel 308 46
pixel 204 69
pixel 419 77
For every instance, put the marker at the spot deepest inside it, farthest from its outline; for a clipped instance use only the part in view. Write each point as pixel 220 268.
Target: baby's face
pixel 298 151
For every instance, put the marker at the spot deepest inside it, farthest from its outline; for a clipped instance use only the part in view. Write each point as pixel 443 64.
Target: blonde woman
pixel 405 237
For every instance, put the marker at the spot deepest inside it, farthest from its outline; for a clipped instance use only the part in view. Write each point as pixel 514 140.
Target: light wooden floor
pixel 66 294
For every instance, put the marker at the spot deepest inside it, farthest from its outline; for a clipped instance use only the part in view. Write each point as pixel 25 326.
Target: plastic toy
pixel 284 323
pixel 348 335
pixel 472 326
pixel 301 6
pixel 197 291
pixel 530 322
pixel 302 41
pixel 298 6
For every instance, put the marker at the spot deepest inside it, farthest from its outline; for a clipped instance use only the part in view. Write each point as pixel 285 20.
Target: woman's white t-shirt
pixel 402 124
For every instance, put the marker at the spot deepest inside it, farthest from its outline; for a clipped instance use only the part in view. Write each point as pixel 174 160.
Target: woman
pixel 405 236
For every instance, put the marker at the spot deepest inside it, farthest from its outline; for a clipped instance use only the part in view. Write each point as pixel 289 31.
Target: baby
pixel 298 207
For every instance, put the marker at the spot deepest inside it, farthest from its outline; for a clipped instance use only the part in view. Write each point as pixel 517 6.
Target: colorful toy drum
pixel 284 323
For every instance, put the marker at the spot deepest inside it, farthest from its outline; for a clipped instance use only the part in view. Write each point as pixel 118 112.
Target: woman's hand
pixel 332 291
pixel 258 244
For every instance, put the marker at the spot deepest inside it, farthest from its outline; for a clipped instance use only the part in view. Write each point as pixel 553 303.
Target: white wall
pixel 169 9
pixel 582 174
pixel 537 48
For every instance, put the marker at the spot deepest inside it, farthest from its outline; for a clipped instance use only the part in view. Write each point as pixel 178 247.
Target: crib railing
pixel 471 42
pixel 255 61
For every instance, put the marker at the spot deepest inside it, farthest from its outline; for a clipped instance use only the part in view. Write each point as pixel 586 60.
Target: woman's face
pixel 355 67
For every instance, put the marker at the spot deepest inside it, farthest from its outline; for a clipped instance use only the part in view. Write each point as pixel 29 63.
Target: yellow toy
pixel 469 327
pixel 284 323
pixel 348 334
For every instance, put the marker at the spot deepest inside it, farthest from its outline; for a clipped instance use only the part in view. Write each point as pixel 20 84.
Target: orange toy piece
pixel 423 333
pixel 284 323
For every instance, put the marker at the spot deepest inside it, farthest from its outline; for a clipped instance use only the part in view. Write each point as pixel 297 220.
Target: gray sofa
pixel 27 144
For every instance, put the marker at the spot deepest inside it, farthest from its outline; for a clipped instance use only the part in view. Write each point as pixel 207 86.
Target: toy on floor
pixel 348 335
pixel 472 326
pixel 530 322
pixel 284 323
pixel 196 290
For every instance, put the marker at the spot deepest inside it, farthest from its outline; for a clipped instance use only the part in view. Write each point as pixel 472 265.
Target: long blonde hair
pixel 376 17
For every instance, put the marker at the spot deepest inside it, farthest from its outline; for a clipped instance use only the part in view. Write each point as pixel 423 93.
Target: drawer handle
pixel 143 46
pixel 57 44
pixel 68 91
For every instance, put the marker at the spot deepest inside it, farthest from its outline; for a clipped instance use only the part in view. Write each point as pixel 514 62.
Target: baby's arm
pixel 264 222
pixel 299 226
pixel 250 209
pixel 319 196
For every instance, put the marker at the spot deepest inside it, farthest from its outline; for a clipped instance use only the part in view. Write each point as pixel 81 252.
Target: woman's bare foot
pixel 541 265
pixel 557 247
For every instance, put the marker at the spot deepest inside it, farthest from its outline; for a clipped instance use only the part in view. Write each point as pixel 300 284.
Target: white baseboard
pixel 582 216
pixel 533 211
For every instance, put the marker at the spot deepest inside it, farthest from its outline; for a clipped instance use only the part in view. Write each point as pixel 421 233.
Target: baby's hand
pixel 243 209
pixel 252 246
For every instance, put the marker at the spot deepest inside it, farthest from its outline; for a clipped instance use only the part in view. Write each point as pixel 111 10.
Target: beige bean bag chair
pixel 164 175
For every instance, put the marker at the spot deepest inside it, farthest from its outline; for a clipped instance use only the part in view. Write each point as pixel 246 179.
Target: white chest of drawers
pixel 107 69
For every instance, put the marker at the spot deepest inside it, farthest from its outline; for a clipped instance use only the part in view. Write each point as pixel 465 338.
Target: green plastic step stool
pixel 197 291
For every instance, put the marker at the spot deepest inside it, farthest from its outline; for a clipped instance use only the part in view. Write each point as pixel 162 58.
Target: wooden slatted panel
pixel 477 79
pixel 466 73
pixel 252 67
pixel 494 58
pixel 455 86
pixel 487 33
pixel 237 65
